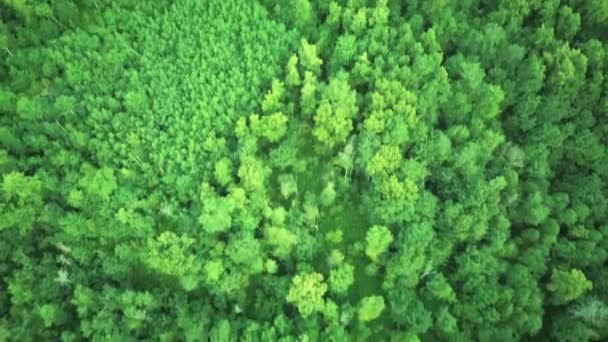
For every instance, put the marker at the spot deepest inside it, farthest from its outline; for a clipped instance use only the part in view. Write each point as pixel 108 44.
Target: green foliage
pixel 306 292
pixel 568 286
pixel 341 278
pixel 49 314
pixel 333 118
pixel 169 254
pixel 272 127
pixel 309 57
pixel 223 171
pixel 592 311
pixel 378 239
pixel 214 269
pixel 391 170
pixel 439 287
pixel 215 216
pixel 281 239
pixel 98 183
pixel 292 75
pixel 370 308
pixel 21 202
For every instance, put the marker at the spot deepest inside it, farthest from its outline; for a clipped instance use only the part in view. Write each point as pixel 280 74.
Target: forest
pixel 304 170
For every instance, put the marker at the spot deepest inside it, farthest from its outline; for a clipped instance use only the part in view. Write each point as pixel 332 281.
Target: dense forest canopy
pixel 300 170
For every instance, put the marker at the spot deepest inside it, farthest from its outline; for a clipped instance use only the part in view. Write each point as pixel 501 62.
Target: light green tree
pixel 334 115
pixel 341 278
pixel 567 286
pixel 169 254
pixel 20 201
pixel 370 308
pixel 306 292
pixel 223 171
pixel 272 127
pixel 308 94
pixel 280 239
pixel 378 239
pixel 292 76
pixel 309 57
